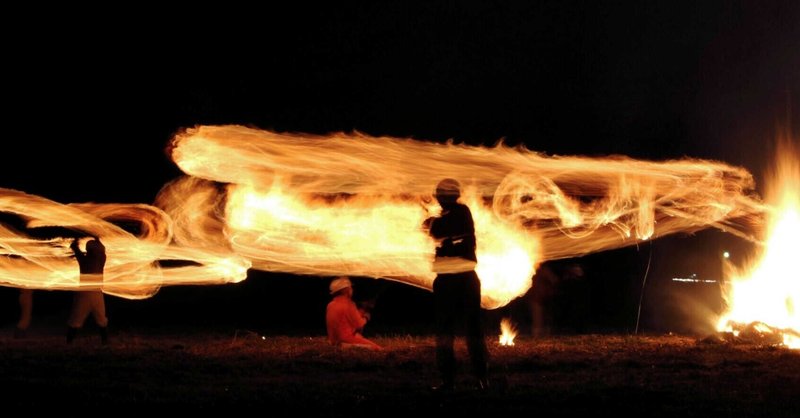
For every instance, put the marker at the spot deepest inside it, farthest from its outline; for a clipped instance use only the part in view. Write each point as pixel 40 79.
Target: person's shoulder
pixel 461 208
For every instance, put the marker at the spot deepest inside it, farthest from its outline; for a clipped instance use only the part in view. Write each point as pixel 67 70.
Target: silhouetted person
pixel 543 301
pixel 25 313
pixel 573 299
pixel 90 298
pixel 343 319
pixel 456 289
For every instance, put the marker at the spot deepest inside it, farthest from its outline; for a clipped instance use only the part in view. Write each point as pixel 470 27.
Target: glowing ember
pixel 507 332
pixel 354 205
pixel 767 291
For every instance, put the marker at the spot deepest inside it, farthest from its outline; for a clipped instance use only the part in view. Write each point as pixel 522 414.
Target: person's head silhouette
pixel 447 192
pixel 94 246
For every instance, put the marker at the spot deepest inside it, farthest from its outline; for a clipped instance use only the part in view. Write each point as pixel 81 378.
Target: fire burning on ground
pixel 354 205
pixel 764 295
pixel 507 332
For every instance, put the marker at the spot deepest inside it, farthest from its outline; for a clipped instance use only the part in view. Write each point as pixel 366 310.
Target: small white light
pixel 263 337
pixel 726 254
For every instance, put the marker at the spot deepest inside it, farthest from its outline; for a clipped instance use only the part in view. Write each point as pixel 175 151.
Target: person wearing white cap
pixel 343 319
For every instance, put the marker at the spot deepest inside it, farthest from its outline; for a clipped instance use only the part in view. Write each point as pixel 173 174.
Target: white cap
pixel 340 283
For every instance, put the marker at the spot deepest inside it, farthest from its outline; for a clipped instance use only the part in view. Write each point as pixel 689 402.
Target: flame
pixel 132 268
pixel 767 290
pixel 507 332
pixel 354 205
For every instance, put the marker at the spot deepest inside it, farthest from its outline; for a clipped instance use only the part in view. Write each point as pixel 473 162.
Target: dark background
pixel 652 80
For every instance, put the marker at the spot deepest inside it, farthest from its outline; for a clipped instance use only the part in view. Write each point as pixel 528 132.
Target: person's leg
pixel 80 310
pixel 99 313
pixel 476 344
pixel 98 306
pixel 359 340
pixel 25 312
pixel 445 329
pixel 538 321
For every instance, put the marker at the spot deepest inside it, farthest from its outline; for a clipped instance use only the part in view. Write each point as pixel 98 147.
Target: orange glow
pixel 507 332
pixel 354 205
pixel 132 269
pixel 767 290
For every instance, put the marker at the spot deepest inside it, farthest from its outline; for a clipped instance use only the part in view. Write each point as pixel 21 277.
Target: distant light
pixel 693 279
pixel 681 279
pixel 263 337
pixel 726 254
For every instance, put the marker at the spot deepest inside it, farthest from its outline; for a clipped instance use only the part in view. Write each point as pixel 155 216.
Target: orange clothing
pixel 344 323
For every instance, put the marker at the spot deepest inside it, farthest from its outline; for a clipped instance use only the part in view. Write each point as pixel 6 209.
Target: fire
pixel 767 291
pixel 133 268
pixel 507 332
pixel 354 205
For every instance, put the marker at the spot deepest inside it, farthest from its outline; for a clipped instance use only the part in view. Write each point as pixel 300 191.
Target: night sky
pixel 651 80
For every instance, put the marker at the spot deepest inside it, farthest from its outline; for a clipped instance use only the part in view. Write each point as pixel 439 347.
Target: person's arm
pixel 426 225
pixel 356 319
pixel 75 248
pixel 364 314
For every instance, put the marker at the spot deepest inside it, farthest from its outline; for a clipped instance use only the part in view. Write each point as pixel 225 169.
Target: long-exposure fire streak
pixel 354 205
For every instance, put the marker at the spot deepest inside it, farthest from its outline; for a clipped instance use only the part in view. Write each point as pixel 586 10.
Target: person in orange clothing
pixel 344 320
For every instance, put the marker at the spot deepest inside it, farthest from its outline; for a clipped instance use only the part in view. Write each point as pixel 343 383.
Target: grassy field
pixel 243 371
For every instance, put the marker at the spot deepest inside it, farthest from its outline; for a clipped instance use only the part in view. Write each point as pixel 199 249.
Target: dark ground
pixel 661 375
pixel 201 348
pixel 651 80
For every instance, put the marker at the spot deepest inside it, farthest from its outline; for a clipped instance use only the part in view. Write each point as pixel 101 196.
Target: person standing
pixel 25 313
pixel 456 289
pixel 90 299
